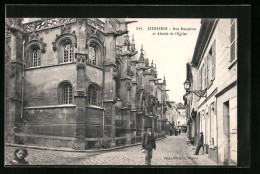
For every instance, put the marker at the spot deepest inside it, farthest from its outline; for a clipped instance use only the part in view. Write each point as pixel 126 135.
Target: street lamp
pixel 199 93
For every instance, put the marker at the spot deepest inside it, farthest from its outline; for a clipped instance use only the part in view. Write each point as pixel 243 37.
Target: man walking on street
pixel 148 143
pixel 201 142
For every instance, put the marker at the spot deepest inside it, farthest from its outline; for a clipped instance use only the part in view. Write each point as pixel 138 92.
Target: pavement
pixel 170 151
pixel 201 159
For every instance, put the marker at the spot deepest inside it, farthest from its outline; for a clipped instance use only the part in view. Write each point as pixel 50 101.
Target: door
pixel 226 125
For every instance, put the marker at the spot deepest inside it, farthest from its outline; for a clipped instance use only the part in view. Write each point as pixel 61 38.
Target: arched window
pixel 64 44
pixel 95 52
pixel 65 93
pixel 143 104
pixel 36 59
pixel 93 55
pixel 67 52
pixel 93 95
pixel 33 50
pixel 33 56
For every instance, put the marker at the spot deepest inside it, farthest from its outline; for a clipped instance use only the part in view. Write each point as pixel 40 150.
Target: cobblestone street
pixel 170 151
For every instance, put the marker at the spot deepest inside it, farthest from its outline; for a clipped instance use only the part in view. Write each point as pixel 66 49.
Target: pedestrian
pixel 175 132
pixel 19 157
pixel 170 132
pixel 201 142
pixel 148 144
pixel 179 131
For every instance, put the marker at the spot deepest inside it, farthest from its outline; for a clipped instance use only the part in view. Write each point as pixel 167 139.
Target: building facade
pixel 171 117
pixel 79 83
pixel 181 118
pixel 214 69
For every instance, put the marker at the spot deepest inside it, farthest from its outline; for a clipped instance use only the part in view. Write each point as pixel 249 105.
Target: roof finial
pixel 133 39
pixel 133 44
pixel 142 54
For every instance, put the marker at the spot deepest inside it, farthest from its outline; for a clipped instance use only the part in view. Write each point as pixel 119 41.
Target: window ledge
pixel 232 63
pixel 50 106
pixel 95 107
pixel 64 63
pixel 47 66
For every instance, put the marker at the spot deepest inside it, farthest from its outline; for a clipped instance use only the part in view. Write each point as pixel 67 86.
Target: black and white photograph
pixel 121 91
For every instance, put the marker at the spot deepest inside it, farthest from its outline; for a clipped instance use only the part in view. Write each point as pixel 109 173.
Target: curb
pixel 72 150
pixel 198 161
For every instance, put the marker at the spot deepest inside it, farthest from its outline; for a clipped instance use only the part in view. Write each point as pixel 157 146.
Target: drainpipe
pixel 103 84
pixel 22 84
pixel 22 95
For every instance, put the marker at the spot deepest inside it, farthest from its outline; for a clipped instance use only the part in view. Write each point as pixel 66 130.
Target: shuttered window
pixel 209 62
pixel 233 49
pixel 204 82
pixel 206 72
pixel 200 79
pixel 213 59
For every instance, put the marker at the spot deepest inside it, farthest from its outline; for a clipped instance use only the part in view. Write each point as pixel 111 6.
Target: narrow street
pixel 170 151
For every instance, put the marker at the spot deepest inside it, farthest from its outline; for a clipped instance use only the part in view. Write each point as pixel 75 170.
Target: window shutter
pixel 213 59
pixel 203 76
pixel 233 40
pixel 200 79
pixel 207 70
pixel 205 73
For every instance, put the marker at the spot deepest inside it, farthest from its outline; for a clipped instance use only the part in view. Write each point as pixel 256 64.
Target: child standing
pixel 19 155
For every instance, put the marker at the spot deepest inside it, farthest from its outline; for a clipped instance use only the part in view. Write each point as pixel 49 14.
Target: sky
pixel 169 52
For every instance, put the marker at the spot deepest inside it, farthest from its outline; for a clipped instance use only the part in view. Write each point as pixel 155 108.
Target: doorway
pixel 226 125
